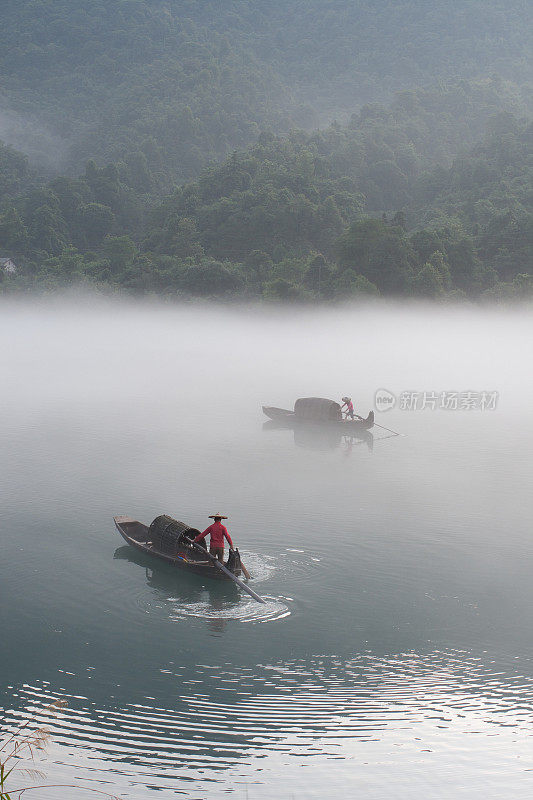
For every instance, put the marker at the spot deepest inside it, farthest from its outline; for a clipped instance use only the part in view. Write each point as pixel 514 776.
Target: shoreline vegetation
pixel 279 221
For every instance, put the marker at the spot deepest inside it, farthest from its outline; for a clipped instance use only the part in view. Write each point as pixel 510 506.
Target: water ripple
pixel 225 718
pixel 246 610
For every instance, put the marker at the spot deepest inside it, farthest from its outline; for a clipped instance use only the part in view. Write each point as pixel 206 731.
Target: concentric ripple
pixel 246 610
pixel 218 609
pixel 176 597
pixel 235 727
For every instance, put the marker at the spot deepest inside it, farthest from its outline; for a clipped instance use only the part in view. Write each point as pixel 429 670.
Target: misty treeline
pixel 172 82
pixel 425 194
pixel 186 82
pixel 353 209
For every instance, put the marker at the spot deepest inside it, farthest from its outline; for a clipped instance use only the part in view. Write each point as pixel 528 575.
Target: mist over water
pixel 393 656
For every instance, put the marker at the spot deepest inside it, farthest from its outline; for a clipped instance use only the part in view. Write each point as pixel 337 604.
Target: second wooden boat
pixel 317 411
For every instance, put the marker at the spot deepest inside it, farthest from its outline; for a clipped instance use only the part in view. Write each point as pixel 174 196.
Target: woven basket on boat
pixel 167 533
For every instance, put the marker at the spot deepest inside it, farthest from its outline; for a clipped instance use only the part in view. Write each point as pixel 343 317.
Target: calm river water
pixel 394 655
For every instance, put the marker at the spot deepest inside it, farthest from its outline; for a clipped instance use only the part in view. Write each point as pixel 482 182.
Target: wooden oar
pixel 245 571
pixel 380 426
pixel 223 567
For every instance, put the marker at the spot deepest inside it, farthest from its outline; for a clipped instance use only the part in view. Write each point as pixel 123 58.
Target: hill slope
pixel 180 83
pixel 355 208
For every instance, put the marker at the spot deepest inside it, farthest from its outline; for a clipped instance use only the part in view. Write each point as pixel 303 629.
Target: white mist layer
pixel 112 351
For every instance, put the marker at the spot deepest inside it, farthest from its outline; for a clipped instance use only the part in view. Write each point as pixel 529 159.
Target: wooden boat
pixel 317 411
pixel 165 539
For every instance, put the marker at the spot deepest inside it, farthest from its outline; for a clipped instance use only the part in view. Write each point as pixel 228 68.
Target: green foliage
pixel 380 253
pixel 168 87
pixel 428 193
pixel 317 277
pixel 120 251
pixel 520 288
pixel 13 231
pixel 275 193
pixel 14 172
pixel 289 197
pixel 427 282
pixel 210 279
pixel 349 284
pixel 95 221
pixel 278 221
pixel 64 269
pixel 281 290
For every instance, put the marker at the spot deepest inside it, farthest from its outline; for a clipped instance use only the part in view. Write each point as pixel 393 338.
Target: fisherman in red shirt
pixel 217 532
pixel 347 401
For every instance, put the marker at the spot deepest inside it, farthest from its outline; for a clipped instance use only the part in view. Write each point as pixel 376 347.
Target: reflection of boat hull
pixel 313 437
pixel 168 581
pixel 186 558
pixel 319 437
pixel 288 419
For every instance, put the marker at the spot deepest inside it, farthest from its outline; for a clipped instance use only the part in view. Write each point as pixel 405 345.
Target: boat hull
pixel 289 420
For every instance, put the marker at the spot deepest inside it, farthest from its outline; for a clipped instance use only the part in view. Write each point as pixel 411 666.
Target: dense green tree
pixel 120 251
pixel 70 194
pixel 67 267
pixel 193 81
pixel 210 279
pixel 47 231
pixel 380 253
pixel 260 263
pixel 317 276
pixel 520 288
pixel 426 282
pixel 182 237
pixel 396 200
pixel 13 232
pixel 349 284
pixel 281 289
pixel 95 221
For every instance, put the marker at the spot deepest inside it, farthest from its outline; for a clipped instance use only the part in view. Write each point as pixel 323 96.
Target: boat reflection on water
pixel 183 590
pixel 319 437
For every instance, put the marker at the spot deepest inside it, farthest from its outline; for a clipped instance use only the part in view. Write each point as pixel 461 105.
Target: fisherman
pixel 347 401
pixel 217 532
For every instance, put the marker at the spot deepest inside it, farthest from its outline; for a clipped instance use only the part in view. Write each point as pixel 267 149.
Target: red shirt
pixel 217 532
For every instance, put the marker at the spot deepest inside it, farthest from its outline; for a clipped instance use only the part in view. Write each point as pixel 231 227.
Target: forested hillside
pixel 171 167
pixel 182 82
pixel 351 209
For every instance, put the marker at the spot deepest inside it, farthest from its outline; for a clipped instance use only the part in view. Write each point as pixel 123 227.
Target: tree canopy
pixel 174 84
pixel 191 149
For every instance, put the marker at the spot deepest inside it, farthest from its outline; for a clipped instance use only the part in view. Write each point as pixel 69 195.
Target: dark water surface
pixel 393 657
